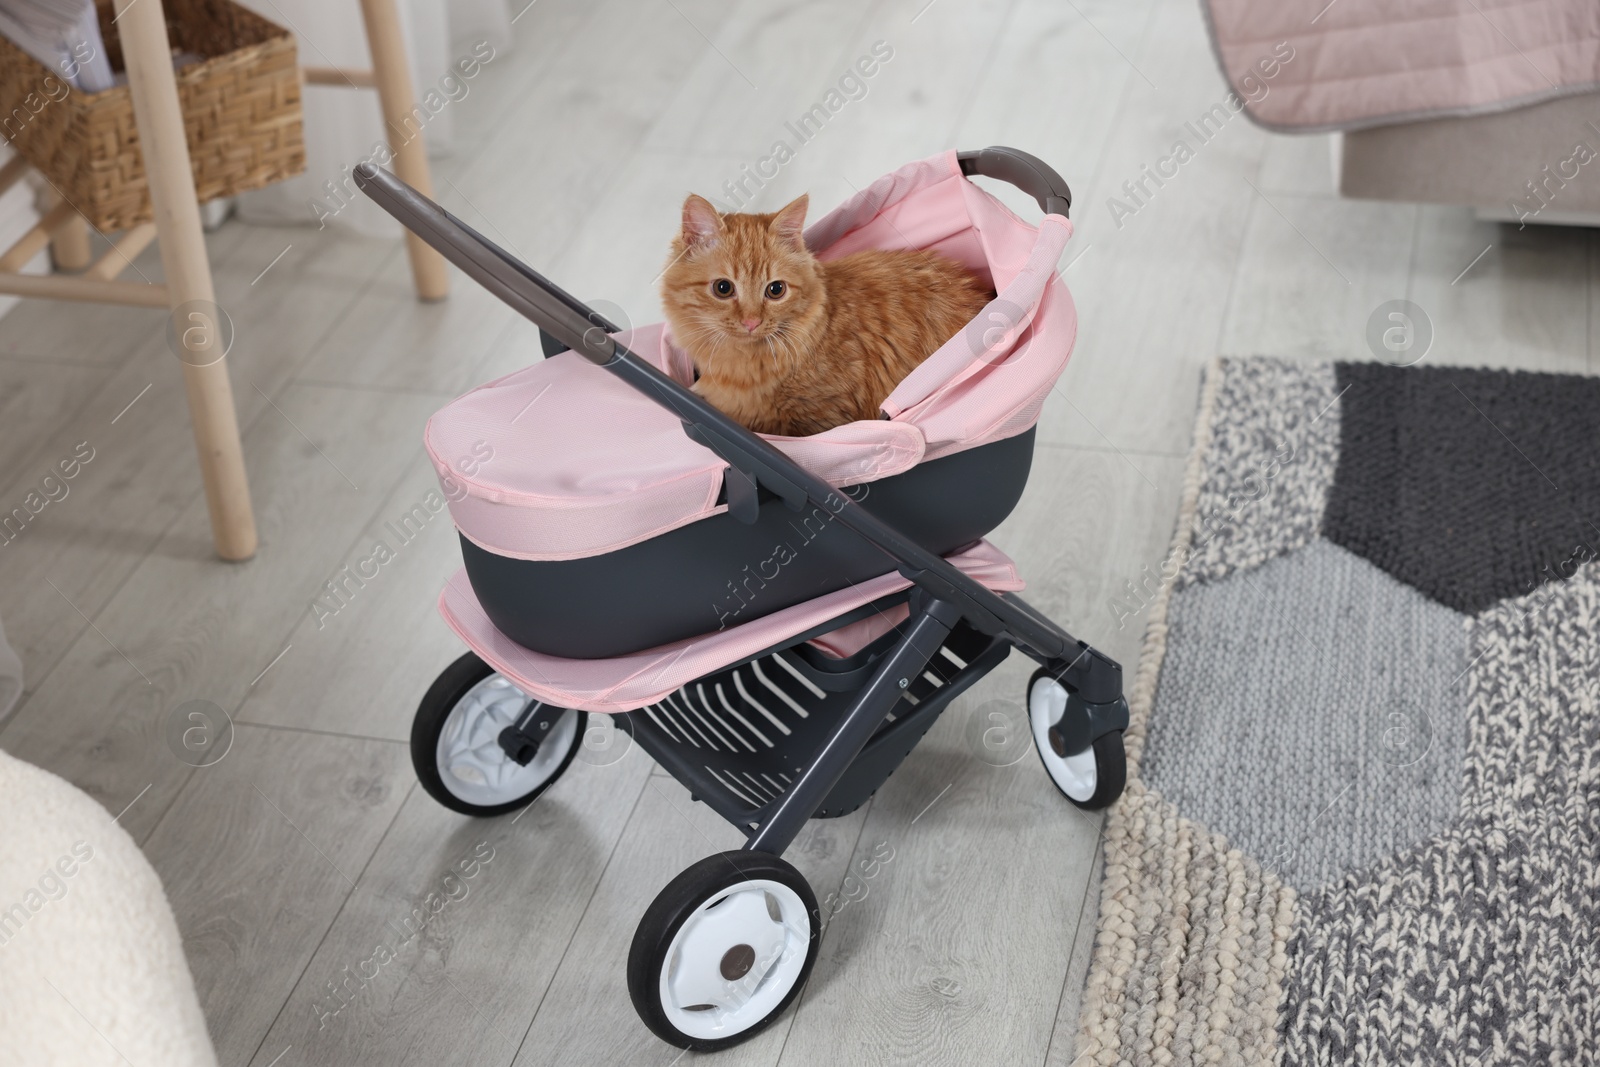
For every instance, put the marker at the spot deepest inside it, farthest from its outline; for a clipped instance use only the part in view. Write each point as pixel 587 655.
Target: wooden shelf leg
pixel 69 243
pixel 393 74
pixel 154 89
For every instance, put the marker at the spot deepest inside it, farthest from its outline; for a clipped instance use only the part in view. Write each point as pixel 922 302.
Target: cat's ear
pixel 701 224
pixel 789 224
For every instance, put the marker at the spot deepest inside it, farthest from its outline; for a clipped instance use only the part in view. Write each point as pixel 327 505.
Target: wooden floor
pixel 287 861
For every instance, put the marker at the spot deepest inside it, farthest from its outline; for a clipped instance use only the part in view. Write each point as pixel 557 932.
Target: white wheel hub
pixel 472 764
pixel 1074 775
pixel 734 959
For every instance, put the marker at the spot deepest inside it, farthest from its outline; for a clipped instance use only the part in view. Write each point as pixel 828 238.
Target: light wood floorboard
pixel 464 984
pixel 258 855
pixel 1310 273
pixel 1523 304
pixel 391 617
pixel 182 628
pixel 104 334
pixel 1156 283
pixel 959 949
pixel 1301 165
pixel 1065 1037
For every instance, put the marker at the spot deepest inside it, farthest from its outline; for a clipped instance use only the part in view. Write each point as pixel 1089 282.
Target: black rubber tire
pixel 442 696
pixel 1110 761
pixel 673 906
pixel 1110 773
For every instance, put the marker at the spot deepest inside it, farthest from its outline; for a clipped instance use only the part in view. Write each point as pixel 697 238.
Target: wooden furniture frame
pixel 153 87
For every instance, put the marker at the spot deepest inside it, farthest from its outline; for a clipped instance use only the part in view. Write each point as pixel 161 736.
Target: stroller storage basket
pixel 721 572
pixel 739 738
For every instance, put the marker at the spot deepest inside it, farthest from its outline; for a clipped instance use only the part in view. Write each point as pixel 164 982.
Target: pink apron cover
pixel 561 460
pixel 625 683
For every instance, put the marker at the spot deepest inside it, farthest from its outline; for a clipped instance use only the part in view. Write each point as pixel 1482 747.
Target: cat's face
pixel 743 283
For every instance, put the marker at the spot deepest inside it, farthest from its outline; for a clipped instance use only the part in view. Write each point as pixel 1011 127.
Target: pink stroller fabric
pixel 628 682
pixel 561 460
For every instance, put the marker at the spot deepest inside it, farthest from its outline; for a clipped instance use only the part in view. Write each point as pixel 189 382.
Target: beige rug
pixel 1189 952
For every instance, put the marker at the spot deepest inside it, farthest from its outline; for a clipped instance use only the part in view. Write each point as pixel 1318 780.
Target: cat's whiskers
pixel 778 340
pixel 701 329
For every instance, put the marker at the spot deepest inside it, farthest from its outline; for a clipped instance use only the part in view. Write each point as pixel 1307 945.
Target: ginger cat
pixel 789 345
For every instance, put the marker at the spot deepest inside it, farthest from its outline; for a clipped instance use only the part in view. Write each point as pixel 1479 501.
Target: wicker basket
pixel 241 110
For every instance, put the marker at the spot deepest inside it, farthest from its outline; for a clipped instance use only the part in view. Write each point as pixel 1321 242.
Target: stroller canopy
pixel 562 460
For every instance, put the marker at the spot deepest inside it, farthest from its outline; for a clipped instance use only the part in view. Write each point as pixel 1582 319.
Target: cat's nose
pixel 751 324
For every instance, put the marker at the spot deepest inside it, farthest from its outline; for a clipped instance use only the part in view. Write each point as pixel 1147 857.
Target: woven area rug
pixel 1362 822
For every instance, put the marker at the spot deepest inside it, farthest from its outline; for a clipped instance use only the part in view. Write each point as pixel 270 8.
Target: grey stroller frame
pixel 861 723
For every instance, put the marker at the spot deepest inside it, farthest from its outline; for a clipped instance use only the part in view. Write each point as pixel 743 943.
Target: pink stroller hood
pixel 561 460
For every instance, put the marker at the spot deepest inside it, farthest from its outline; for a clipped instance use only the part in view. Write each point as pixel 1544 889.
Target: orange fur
pixel 833 346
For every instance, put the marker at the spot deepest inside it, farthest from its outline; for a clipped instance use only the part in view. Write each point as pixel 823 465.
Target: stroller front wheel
pixel 455 746
pixel 1093 778
pixel 723 950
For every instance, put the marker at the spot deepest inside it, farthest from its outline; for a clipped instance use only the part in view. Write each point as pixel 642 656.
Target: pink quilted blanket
pixel 1356 63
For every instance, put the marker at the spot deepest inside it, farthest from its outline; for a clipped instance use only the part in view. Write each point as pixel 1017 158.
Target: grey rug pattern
pixel 1357 762
pixel 1395 761
pixel 1271 462
pixel 1481 945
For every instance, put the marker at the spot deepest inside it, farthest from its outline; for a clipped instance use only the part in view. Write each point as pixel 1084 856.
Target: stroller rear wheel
pixel 723 950
pixel 1092 778
pixel 455 742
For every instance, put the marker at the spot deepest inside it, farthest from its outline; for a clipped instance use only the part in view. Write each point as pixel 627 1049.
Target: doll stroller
pixel 776 621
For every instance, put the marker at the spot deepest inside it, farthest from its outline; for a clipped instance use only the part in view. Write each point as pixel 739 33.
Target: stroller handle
pixel 752 461
pixel 1027 172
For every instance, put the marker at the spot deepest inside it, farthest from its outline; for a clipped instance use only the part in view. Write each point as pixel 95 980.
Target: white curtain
pixel 342 125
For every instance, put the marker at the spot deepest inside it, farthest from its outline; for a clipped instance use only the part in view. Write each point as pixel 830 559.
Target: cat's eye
pixel 722 287
pixel 775 290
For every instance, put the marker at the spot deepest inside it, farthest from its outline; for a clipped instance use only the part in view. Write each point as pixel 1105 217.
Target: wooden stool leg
pixel 148 58
pixel 393 74
pixel 69 242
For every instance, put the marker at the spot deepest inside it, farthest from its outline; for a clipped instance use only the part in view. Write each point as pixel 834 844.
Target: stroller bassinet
pixel 598 528
pixel 776 621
